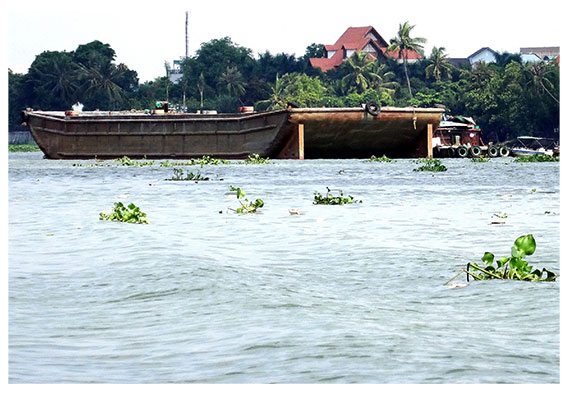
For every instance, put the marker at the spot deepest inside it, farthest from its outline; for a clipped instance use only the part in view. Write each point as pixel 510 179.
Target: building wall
pixel 484 56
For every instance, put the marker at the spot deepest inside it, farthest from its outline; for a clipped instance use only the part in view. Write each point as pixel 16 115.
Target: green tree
pixel 231 82
pixel 438 64
pixel 99 89
pixel 277 97
pixel 403 43
pixel 52 80
pixel 540 78
pixel 314 51
pixel 360 73
pixel 201 85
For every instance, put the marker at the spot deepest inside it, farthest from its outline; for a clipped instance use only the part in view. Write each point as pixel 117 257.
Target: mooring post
pixel 301 142
pixel 429 141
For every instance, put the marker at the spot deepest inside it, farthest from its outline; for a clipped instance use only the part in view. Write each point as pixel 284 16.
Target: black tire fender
pixel 462 151
pixel 493 151
pixel 372 108
pixel 475 151
pixel 504 151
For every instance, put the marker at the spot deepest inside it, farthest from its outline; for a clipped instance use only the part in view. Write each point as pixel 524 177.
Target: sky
pixel 146 34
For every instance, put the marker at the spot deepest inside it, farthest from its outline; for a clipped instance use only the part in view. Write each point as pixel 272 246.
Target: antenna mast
pixel 186 34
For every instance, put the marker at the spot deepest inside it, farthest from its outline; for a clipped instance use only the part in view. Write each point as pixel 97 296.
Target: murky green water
pixel 338 294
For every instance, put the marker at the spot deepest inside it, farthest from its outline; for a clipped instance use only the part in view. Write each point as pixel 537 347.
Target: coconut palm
pixel 538 77
pixel 201 85
pixel 360 73
pixel 100 88
pixel 231 82
pixel 403 43
pixel 53 79
pixel 384 81
pixel 438 64
pixel 277 99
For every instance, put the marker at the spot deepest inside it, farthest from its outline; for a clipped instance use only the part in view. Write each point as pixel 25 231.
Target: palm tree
pixel 277 99
pixel 231 82
pixel 404 43
pixel 167 79
pixel 360 73
pixel 201 85
pixel 538 77
pixel 383 81
pixel 438 64
pixel 100 88
pixel 53 78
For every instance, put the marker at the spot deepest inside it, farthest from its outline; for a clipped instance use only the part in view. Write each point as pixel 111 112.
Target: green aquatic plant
pixel 23 148
pixel 383 158
pixel 121 213
pixel 430 165
pixel 205 160
pixel 509 267
pixel 256 159
pixel 537 158
pixel 330 199
pixel 178 176
pixel 127 161
pixel 480 159
pixel 246 206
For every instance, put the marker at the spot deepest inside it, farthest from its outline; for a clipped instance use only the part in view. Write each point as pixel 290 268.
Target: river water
pixel 337 294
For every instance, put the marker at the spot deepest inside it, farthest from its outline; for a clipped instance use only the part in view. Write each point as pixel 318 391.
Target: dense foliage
pixel 506 98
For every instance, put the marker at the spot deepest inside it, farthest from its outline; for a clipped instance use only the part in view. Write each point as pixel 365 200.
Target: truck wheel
pixel 492 152
pixel 462 151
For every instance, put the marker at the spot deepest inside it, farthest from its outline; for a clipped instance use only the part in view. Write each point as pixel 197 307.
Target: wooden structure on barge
pixel 291 133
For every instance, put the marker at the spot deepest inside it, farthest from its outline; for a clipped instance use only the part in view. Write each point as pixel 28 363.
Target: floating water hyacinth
pixel 513 267
pixel 330 199
pixel 246 206
pixel 121 213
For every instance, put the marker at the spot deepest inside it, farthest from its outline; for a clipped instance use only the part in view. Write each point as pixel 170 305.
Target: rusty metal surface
pixel 165 136
pixel 353 133
pixel 328 133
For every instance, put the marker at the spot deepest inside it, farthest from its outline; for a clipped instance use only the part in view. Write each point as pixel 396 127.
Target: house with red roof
pixel 365 39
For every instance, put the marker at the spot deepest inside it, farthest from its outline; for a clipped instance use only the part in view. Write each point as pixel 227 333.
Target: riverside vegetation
pixel 506 97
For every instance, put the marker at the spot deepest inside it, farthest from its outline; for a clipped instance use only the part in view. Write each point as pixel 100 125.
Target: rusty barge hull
pixel 354 133
pixel 290 133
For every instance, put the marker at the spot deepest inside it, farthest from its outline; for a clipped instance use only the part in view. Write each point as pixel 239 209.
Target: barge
pixel 296 133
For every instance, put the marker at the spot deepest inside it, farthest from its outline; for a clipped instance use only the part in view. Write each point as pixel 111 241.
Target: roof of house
pixel 459 61
pixel 356 38
pixel 535 50
pixel 482 50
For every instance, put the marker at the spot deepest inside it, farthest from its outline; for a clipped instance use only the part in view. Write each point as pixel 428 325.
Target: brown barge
pixel 290 133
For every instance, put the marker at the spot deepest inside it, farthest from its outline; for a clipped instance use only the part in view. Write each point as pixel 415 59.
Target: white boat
pixel 530 145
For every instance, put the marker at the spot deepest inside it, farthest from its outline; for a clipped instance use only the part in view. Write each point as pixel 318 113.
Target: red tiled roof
pixel 354 38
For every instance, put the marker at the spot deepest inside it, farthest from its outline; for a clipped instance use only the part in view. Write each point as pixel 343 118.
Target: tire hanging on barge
pixel 372 108
pixel 504 151
pixel 475 151
pixel 492 151
pixel 462 151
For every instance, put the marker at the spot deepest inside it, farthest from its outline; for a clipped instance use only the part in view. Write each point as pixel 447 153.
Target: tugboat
pixel 461 137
